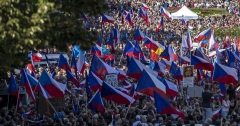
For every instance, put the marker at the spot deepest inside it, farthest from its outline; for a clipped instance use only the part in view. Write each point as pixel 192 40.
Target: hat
pixel 138 117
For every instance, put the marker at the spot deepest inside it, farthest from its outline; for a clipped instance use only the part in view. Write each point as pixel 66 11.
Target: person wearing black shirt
pixel 206 104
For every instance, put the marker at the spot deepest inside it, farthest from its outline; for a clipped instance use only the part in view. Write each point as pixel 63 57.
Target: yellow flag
pixel 159 51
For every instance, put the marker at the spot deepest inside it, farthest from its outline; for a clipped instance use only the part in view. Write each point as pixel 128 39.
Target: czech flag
pixel 183 22
pixel 165 13
pixel 183 60
pixel 201 55
pixel 225 74
pixel 222 88
pixel 129 19
pixel 232 58
pixel 31 69
pixel 95 82
pixel 158 67
pixel 81 63
pixel 116 36
pixel 171 89
pixel 84 17
pixel 144 7
pixel 160 25
pixel 108 19
pixel 37 57
pixel 97 50
pixel 127 47
pixel 165 107
pixel 167 64
pixel 44 92
pixel 149 83
pixel 200 63
pixel 25 115
pixel 139 36
pixel 24 82
pixel 13 88
pixel 71 78
pixel 53 87
pixel 127 85
pixel 213 45
pixel 135 69
pixel 125 12
pixel 142 13
pixel 96 103
pixel 62 63
pixel 217 113
pixel 100 68
pixel 112 94
pixel 203 43
pixel 169 54
pixel 34 83
pixel 205 35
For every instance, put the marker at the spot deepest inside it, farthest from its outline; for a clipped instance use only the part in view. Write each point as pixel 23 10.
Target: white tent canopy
pixel 184 13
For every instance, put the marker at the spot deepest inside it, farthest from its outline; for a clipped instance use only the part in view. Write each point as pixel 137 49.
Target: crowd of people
pixel 143 111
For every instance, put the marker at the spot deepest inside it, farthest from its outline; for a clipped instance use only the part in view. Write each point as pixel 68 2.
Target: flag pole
pixel 120 60
pixel 129 105
pixel 8 102
pixel 17 103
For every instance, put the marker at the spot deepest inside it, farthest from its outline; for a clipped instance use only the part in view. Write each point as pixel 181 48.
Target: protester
pixel 75 110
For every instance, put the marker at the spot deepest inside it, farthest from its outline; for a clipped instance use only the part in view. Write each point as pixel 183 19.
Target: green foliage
pixel 29 24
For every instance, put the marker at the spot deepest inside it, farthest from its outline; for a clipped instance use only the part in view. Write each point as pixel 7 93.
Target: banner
pixel 57 102
pixel 188 76
pixel 112 79
pixel 185 52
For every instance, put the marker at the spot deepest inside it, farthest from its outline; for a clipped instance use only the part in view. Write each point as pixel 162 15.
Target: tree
pixel 29 24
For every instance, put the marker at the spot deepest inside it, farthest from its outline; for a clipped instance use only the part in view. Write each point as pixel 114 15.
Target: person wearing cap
pixel 137 120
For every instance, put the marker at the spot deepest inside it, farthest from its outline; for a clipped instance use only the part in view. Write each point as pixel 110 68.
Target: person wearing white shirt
pixel 225 106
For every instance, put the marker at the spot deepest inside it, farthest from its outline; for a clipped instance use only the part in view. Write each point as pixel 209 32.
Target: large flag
pixel 129 19
pixel 37 57
pixel 139 36
pixel 165 13
pixel 171 89
pixel 164 107
pixel 71 78
pixel 158 67
pixel 149 83
pixel 135 69
pixel 106 18
pixel 96 103
pixel 160 25
pixel 112 94
pixel 224 74
pixel 53 87
pixel 34 83
pixel 95 82
pixel 44 107
pixel 100 68
pixel 81 63
pixel 24 82
pixel 205 35
pixel 200 63
pixel 62 63
pixel 26 114
pixel 13 88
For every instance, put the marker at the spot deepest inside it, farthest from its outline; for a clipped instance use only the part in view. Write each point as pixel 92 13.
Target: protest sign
pixel 188 79
pixel 185 52
pixel 112 79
